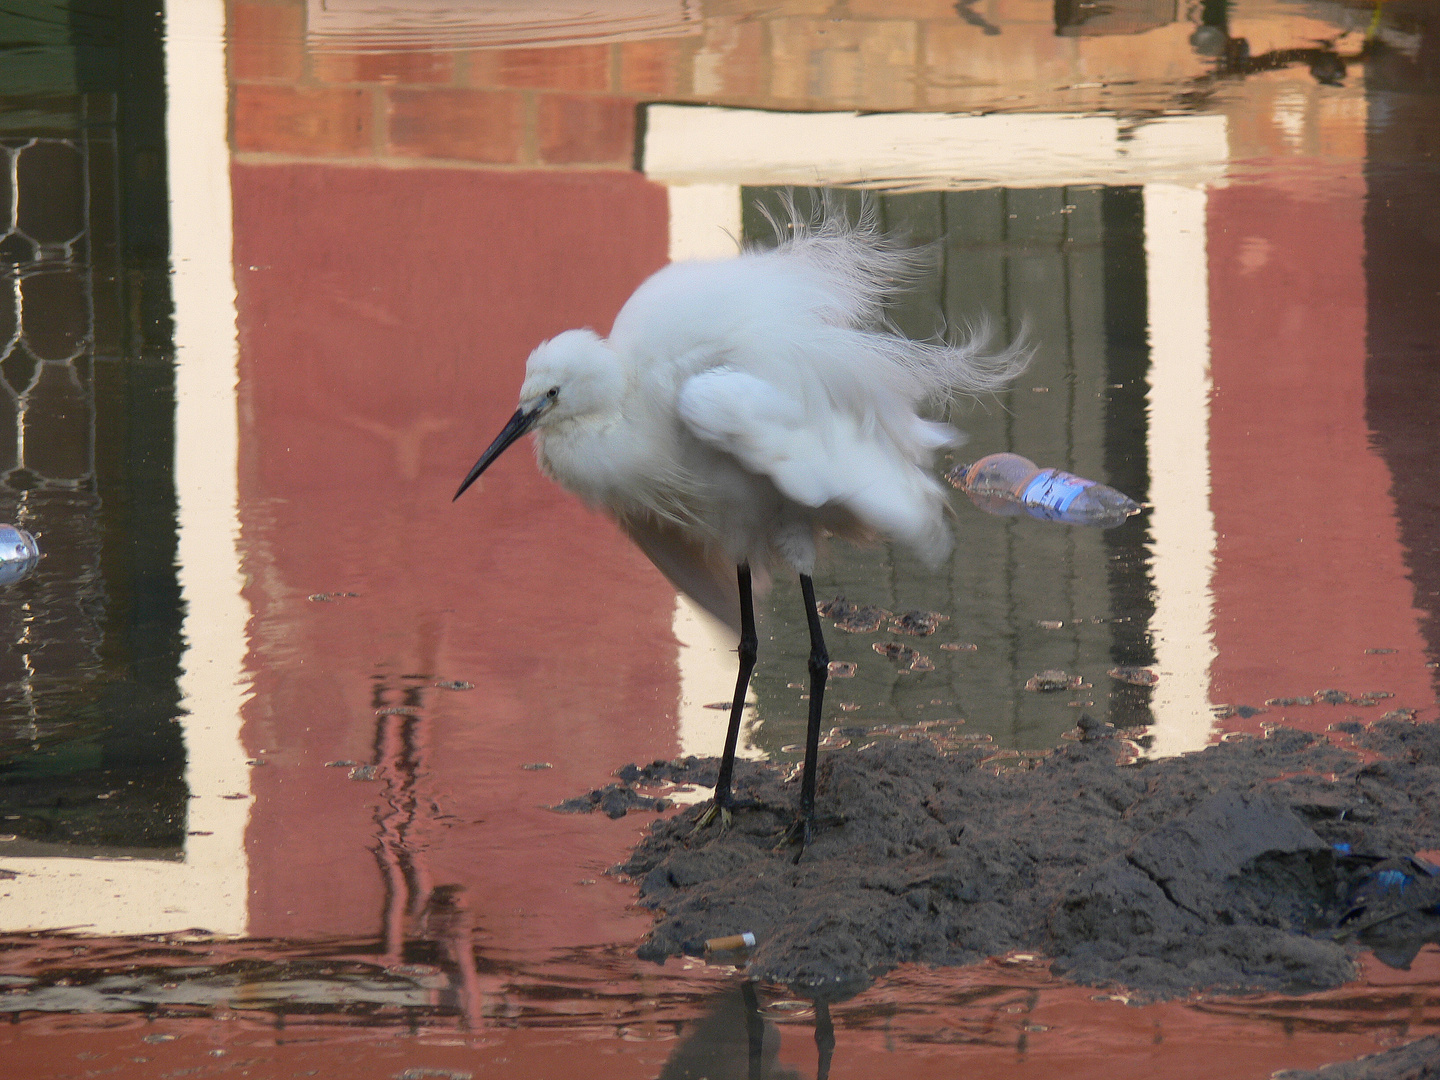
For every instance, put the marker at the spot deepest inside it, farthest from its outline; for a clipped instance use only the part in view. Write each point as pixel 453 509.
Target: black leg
pixel 819 671
pixel 749 646
pixel 754 1030
pixel 824 1040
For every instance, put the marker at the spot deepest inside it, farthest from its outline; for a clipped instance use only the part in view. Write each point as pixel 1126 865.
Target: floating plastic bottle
pixel 1010 484
pixel 18 554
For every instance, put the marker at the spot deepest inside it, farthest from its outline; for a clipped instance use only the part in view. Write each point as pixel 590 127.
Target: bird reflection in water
pixel 735 1041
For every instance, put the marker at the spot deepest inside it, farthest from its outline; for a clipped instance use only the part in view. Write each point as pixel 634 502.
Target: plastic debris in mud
pixel 1007 484
pixel 19 554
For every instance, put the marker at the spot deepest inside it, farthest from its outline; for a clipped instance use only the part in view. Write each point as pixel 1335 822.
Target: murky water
pixel 280 724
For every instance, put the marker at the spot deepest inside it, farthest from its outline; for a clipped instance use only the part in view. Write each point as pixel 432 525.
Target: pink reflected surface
pixel 424 679
pixel 364 405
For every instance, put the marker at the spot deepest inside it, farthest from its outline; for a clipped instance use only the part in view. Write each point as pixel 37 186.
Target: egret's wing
pixel 691 568
pixel 821 455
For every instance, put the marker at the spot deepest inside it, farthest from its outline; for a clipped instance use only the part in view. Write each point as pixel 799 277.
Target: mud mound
pixel 1250 865
pixel 1419 1060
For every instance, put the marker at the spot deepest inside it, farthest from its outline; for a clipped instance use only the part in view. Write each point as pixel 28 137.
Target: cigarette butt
pixel 731 943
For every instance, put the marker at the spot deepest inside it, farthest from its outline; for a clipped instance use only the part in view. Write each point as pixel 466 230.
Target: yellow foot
pixel 706 818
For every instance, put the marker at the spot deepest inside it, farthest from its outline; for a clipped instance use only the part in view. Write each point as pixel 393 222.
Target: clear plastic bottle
pixel 18 554
pixel 1010 484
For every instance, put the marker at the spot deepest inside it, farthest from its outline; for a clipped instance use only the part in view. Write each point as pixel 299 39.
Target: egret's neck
pixel 588 455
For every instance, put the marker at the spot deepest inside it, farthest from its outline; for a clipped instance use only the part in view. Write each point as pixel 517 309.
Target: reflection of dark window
pixel 1068 265
pixel 1092 18
pixel 1402 287
pixel 91 758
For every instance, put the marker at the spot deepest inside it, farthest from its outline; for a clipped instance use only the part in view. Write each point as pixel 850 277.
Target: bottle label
pixel 1050 494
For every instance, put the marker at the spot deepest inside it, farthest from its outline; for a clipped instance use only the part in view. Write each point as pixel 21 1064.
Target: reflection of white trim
pixel 704 221
pixel 692 144
pixel 707 663
pixel 1182 526
pixel 704 153
pixel 209 889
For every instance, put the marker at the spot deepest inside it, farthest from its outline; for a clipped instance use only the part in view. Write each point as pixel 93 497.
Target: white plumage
pixel 744 408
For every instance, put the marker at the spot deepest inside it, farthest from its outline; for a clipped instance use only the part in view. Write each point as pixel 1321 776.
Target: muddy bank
pixel 1255 864
pixel 1419 1060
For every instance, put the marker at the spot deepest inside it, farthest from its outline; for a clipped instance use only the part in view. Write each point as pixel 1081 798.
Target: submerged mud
pixel 1254 864
pixel 1418 1060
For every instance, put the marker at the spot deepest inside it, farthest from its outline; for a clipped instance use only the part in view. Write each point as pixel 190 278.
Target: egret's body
pixel 741 410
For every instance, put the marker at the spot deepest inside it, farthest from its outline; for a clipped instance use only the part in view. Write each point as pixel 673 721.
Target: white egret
pixel 741 410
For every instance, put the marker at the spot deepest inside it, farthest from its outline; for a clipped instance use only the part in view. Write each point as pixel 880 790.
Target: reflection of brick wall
pixel 574 105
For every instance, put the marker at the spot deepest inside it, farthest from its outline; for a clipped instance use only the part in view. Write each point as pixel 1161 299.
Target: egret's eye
pixel 553 393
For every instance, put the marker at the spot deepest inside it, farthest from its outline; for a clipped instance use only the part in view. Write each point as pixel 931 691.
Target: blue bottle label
pixel 1050 494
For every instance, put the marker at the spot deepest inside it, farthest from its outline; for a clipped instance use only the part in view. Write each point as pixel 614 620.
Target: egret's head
pixel 572 375
pixel 569 377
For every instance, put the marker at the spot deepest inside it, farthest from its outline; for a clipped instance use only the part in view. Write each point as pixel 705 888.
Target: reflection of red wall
pixel 1309 571
pixel 385 317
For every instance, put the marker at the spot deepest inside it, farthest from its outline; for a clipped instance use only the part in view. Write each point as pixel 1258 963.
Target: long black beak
pixel 518 425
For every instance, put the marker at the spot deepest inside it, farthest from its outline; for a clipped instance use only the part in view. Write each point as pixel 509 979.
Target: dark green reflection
pixel 91 755
pixel 1066 266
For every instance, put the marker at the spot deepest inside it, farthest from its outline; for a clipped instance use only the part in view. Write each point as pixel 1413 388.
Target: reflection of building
pixel 1082 18
pixel 90 754
pixel 374 359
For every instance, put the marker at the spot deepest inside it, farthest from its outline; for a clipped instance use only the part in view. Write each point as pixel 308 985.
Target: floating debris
pixel 960 646
pixel 853 618
pixel 848 706
pixel 730 943
pixel 842 669
pixel 1052 680
pixel 1378 652
pixel 918 623
pixel 342 763
pixel 1050 624
pixel 326 597
pixel 904 654
pixel 399 710
pixel 536 766
pixel 365 772
pixel 1225 712
pixel 19 554
pixel 454 684
pixel 1135 676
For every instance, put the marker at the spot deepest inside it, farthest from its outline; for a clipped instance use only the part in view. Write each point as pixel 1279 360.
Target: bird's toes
pixel 714 810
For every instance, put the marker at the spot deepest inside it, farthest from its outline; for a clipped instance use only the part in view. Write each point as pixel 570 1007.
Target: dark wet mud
pixel 1262 863
pixel 1418 1060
